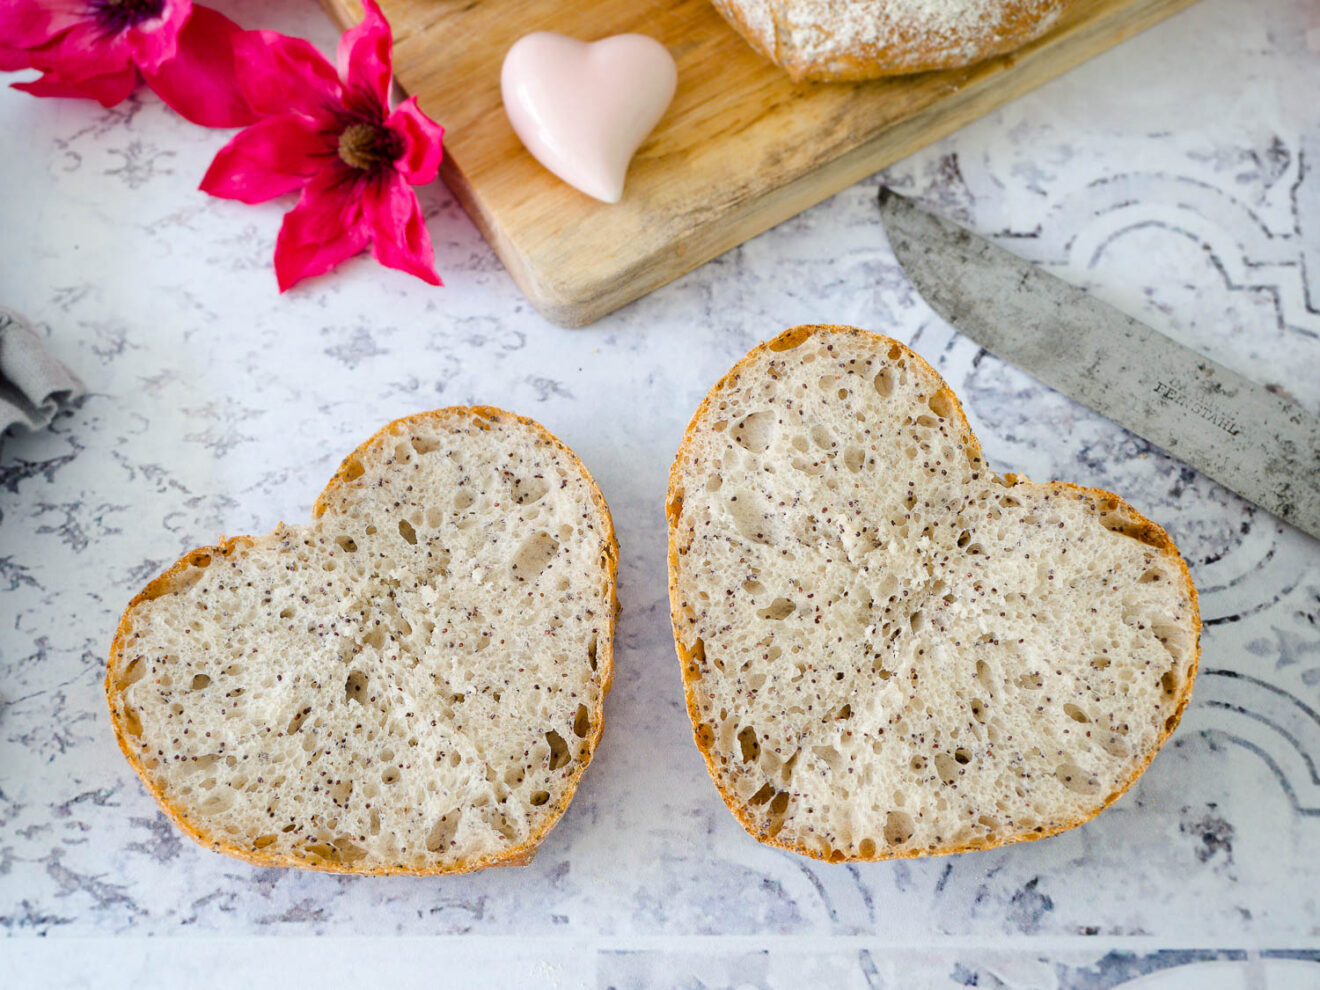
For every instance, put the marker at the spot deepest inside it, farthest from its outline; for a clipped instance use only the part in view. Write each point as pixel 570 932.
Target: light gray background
pixel 1174 176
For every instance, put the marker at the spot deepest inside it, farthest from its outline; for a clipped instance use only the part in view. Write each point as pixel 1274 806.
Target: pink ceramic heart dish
pixel 582 109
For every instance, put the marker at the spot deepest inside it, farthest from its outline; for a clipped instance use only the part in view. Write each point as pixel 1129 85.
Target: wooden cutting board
pixel 740 149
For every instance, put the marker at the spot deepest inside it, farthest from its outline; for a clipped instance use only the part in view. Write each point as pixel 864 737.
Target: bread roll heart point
pixel 583 109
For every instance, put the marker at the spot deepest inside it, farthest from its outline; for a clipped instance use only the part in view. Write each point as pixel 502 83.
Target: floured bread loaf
pixel 837 40
pixel 413 683
pixel 889 650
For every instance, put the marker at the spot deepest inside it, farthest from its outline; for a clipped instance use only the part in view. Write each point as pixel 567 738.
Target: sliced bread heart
pixel 889 650
pixel 412 683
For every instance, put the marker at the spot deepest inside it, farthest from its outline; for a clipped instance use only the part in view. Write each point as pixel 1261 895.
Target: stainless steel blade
pixel 1262 446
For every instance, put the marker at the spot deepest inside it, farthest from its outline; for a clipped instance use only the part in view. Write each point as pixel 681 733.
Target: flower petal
pixel 30 23
pixel 82 52
pixel 200 83
pixel 108 89
pixel 364 56
pixel 272 157
pixel 280 74
pixel 324 229
pixel 422 147
pixel 155 41
pixel 398 229
pixel 13 59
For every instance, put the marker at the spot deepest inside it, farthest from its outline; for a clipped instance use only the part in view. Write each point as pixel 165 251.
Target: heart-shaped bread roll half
pixel 412 683
pixel 889 650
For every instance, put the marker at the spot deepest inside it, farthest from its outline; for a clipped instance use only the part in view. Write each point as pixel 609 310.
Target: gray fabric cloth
pixel 33 385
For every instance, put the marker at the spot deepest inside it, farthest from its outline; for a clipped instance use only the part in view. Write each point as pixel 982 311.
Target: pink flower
pixel 96 48
pixel 332 136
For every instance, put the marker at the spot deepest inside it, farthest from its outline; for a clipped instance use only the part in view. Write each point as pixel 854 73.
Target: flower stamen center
pixel 114 16
pixel 367 146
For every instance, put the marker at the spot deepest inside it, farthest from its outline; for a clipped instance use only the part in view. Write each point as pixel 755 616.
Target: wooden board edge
pixel 542 298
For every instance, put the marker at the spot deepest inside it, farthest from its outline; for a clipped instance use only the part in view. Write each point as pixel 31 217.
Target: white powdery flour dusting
pixel 821 33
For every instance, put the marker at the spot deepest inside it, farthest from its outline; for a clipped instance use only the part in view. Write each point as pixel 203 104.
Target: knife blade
pixel 1257 443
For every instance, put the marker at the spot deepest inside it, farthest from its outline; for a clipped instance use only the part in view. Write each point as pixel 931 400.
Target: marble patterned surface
pixel 1176 177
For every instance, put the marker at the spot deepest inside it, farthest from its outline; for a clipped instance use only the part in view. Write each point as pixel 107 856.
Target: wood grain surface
pixel 740 149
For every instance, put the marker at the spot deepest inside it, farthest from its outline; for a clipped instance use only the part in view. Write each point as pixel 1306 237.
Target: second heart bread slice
pixel 413 683
pixel 888 649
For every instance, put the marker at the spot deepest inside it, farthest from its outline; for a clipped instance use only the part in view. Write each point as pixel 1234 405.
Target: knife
pixel 1247 438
